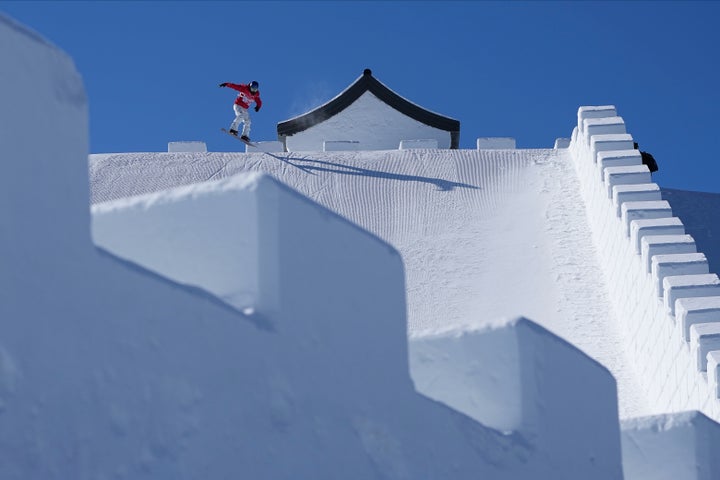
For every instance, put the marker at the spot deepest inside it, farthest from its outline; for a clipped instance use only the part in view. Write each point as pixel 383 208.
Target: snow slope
pixel 483 234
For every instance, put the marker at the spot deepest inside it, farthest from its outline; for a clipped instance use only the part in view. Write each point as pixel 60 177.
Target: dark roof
pixel 364 84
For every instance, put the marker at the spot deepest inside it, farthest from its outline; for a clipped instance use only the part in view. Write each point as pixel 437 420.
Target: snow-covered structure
pixel 223 323
pixel 367 116
pixel 658 281
pixel 666 447
pixel 174 147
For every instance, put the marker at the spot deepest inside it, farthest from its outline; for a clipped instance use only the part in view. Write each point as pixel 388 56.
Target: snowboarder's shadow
pixel 325 166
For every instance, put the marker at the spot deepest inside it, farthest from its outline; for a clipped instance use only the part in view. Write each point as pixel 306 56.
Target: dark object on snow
pixel 647 159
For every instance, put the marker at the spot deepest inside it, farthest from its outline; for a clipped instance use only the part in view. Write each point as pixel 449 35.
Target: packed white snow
pixel 483 234
pixel 108 370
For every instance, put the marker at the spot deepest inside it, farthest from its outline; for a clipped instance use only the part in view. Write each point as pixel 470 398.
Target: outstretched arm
pixel 234 86
pixel 230 85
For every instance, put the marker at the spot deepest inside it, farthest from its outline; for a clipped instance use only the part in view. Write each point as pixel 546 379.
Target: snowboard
pixel 237 137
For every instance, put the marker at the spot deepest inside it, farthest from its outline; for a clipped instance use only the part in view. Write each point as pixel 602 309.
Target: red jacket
pixel 245 97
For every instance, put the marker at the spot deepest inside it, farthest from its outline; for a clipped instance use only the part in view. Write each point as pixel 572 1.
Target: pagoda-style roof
pixel 368 83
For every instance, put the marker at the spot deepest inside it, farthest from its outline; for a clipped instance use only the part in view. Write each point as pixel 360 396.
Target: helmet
pixel 254 86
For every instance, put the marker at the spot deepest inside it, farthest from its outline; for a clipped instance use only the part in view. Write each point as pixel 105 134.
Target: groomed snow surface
pixel 483 234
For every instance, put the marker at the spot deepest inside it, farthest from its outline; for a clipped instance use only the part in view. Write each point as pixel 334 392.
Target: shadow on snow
pixel 310 165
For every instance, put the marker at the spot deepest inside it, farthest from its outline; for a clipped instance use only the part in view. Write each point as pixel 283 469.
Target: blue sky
pixel 517 69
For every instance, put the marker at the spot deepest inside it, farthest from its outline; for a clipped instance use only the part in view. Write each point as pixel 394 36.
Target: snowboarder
pixel 249 93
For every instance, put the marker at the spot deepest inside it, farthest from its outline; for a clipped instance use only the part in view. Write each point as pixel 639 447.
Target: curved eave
pixel 367 83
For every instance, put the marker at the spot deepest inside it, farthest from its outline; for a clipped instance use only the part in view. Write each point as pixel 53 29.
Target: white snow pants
pixel 241 115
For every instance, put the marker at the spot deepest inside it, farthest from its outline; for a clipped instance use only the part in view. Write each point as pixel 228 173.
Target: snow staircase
pixel 660 285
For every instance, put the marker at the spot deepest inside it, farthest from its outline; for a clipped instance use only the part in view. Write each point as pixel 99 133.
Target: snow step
pixel 603 126
pixel 641 210
pixel 687 286
pixel 496 143
pixel 639 192
pixel 704 338
pixel 587 112
pixel 676 264
pixel 625 176
pixel 696 310
pixel 603 143
pixel 653 226
pixel 617 158
pixel 665 245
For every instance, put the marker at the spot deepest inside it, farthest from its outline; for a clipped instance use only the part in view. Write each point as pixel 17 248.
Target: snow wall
pixel 670 447
pixel 526 390
pixel 109 370
pixel 659 283
pixel 544 386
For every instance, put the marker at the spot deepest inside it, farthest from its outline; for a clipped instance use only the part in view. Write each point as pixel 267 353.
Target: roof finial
pixel 367 72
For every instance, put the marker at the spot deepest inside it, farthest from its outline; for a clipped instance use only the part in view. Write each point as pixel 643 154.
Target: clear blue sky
pixel 518 69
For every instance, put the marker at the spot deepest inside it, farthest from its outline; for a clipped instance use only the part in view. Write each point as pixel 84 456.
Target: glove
pixel 224 84
pixel 257 108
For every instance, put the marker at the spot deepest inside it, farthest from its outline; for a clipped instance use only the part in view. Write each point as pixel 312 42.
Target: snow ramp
pixel 483 233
